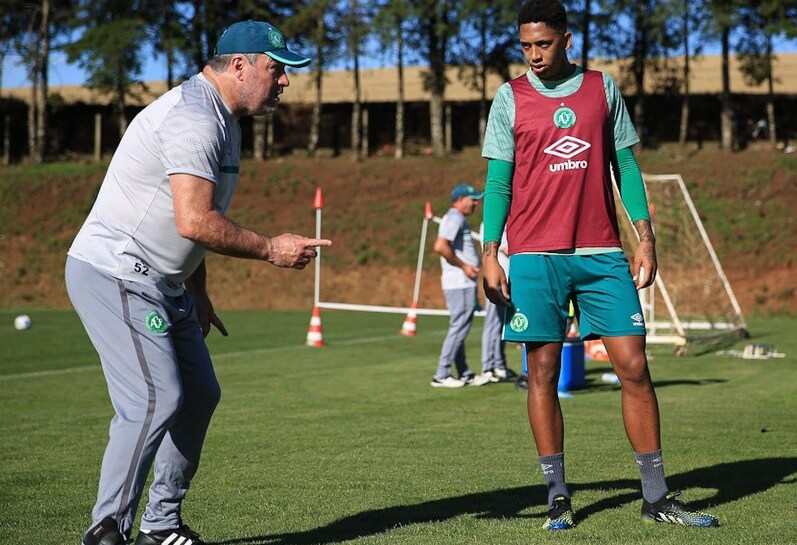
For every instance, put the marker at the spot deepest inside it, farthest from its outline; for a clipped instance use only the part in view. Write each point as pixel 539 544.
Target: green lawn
pixel 349 444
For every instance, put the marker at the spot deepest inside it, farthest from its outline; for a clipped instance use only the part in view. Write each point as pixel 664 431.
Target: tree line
pixel 111 39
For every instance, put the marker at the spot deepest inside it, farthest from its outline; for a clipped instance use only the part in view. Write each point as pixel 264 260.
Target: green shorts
pixel 600 286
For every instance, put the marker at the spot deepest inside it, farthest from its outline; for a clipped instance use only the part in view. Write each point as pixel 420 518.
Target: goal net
pixel 691 304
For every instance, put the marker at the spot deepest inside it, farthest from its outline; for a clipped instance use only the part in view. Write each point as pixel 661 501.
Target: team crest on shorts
pixel 519 322
pixel 156 323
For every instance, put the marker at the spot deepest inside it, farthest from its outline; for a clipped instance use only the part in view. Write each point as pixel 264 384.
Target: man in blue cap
pixel 136 277
pixel 459 263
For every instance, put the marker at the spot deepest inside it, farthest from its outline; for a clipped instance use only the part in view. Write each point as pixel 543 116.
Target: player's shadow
pixel 595 384
pixel 731 482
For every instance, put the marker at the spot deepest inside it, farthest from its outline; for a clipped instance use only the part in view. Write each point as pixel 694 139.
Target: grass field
pixel 349 444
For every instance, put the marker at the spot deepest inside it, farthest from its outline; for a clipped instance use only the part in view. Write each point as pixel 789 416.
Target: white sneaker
pixel 448 382
pixel 484 378
pixel 492 375
pixel 499 374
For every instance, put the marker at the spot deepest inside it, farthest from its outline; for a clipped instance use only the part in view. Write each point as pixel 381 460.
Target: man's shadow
pixel 731 481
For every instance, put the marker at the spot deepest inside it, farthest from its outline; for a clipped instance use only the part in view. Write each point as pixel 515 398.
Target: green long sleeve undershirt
pixel 498 192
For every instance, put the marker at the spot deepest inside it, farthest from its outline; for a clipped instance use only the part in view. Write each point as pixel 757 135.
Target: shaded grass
pixel 348 443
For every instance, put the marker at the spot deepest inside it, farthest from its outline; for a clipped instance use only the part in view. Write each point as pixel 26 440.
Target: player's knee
pixel 633 370
pixel 544 372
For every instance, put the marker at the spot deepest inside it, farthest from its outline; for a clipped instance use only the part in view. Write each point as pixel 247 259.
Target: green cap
pixel 258 37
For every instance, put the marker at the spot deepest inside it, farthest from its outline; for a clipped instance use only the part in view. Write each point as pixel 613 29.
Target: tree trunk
pixel 448 128
pixel 197 31
pixel 42 131
pixel 436 124
pixel 684 127
pixel 364 139
pixel 483 80
pixel 726 114
pixel 771 127
pixel 356 109
pixel 120 101
pixel 640 57
pixel 399 137
pixel 318 73
pixel 315 120
pixel 33 110
pixel 585 32
pixel 98 137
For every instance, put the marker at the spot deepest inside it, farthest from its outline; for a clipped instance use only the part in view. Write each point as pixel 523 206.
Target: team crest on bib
pixel 564 117
pixel 519 322
pixel 156 323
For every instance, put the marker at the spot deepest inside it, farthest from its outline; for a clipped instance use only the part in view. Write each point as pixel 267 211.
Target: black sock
pixel 553 471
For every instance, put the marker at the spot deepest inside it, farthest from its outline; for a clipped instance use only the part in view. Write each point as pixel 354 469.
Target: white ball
pixel 22 322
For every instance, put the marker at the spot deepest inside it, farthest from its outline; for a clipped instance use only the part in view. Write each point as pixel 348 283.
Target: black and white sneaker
pixel 104 533
pixel 176 536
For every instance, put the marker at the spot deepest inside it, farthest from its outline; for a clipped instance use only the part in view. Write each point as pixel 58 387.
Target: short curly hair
pixel 550 12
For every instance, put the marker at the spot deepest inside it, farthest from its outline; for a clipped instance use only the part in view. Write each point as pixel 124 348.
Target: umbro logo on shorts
pixel 638 320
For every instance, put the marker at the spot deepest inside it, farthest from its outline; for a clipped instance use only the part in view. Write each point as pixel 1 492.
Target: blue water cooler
pixel 572 375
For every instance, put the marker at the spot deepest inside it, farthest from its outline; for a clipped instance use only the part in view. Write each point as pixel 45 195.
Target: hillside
pixel 373 211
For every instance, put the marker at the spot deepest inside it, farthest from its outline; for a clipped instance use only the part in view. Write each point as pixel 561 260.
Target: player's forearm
pixel 490 250
pixel 645 231
pixel 223 236
pixel 449 255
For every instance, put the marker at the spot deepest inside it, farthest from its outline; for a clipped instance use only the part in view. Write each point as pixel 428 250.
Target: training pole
pixel 408 328
pixel 318 204
pixel 427 215
pixel 315 335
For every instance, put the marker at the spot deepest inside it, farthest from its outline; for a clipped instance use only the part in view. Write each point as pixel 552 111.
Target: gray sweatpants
pixel 461 305
pixel 162 387
pixel 493 354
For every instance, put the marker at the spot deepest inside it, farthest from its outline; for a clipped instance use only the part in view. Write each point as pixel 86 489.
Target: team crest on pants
pixel 519 322
pixel 156 323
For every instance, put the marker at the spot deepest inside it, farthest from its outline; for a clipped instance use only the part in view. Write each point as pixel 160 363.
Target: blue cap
pixel 258 37
pixel 465 190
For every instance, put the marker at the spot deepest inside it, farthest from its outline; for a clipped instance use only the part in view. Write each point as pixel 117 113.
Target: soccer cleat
pixel 448 382
pixel 522 382
pixel 672 511
pixel 176 536
pixel 104 533
pixel 560 516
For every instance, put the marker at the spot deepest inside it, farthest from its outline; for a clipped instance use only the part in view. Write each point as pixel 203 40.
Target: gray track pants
pixel 162 387
pixel 493 354
pixel 461 304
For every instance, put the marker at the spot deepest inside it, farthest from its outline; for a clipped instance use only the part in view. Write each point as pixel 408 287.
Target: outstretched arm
pixel 196 220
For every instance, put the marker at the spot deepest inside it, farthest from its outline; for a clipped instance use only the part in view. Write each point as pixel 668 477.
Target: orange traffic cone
pixel 595 350
pixel 315 336
pixel 409 326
